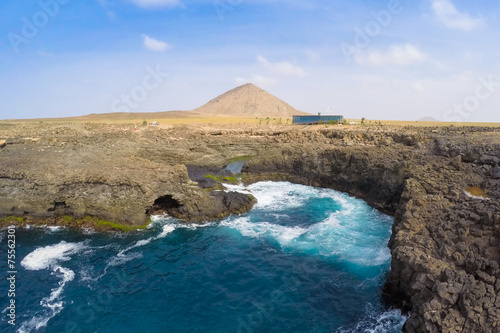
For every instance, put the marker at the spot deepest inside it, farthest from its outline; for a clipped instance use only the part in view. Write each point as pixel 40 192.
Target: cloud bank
pixel 397 55
pixel 284 68
pixel 447 14
pixel 154 44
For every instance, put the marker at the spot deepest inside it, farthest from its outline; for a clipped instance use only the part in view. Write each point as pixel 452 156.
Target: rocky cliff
pixel 446 236
pixel 94 171
pixel 441 184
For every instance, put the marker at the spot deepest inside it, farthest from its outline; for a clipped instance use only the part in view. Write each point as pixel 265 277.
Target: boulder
pixel 216 206
pixel 496 172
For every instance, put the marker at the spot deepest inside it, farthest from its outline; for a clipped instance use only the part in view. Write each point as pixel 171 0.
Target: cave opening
pixel 163 205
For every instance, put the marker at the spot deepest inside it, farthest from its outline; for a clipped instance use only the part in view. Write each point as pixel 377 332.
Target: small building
pixel 306 120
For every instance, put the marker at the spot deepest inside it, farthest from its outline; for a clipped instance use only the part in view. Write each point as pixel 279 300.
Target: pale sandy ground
pixel 192 119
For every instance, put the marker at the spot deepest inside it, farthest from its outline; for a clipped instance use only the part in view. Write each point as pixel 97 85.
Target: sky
pixel 382 60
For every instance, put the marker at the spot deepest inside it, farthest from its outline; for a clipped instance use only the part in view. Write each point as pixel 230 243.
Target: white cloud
pixel 154 44
pixel 155 3
pixel 259 80
pixel 446 13
pixel 284 68
pixel 397 55
pixel 313 56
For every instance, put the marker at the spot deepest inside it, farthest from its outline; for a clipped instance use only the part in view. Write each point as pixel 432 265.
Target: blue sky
pixel 395 59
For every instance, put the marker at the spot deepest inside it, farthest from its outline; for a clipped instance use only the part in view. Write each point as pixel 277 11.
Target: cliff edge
pixel 441 184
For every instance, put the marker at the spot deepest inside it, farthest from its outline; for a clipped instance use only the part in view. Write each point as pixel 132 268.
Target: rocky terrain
pixel 441 184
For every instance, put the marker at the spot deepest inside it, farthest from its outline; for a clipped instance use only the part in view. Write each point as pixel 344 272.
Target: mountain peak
pixel 249 84
pixel 248 100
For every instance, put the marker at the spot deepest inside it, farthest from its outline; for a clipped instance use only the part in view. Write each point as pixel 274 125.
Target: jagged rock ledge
pixel 121 197
pixel 446 236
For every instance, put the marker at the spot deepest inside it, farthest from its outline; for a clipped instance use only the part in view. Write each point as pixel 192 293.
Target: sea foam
pixel 351 234
pixel 45 258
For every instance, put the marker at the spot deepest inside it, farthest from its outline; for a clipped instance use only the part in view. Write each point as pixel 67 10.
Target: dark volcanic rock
pixel 207 183
pixel 496 172
pixel 235 202
pixel 445 244
pixel 225 173
pixel 216 206
pixel 197 173
pixel 374 174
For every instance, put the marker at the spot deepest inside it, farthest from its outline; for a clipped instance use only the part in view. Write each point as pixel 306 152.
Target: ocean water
pixel 303 260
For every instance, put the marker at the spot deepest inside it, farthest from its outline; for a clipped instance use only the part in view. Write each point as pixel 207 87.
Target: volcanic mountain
pixel 248 100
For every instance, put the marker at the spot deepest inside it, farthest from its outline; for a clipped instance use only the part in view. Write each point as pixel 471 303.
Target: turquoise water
pixel 303 260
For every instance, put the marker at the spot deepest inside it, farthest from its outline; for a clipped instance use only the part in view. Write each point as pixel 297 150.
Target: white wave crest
pixel 51 229
pixel 52 304
pixel 352 233
pixel 124 256
pixel 390 321
pixel 167 228
pixel 284 235
pixel 274 196
pixel 45 257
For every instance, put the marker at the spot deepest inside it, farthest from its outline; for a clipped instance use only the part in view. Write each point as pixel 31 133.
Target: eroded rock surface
pixel 445 243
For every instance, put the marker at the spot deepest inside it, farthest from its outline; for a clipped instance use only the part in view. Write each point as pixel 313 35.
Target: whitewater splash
pixel 325 251
pixel 52 256
pixel 351 233
pixel 387 322
pixel 49 257
pixel 121 257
